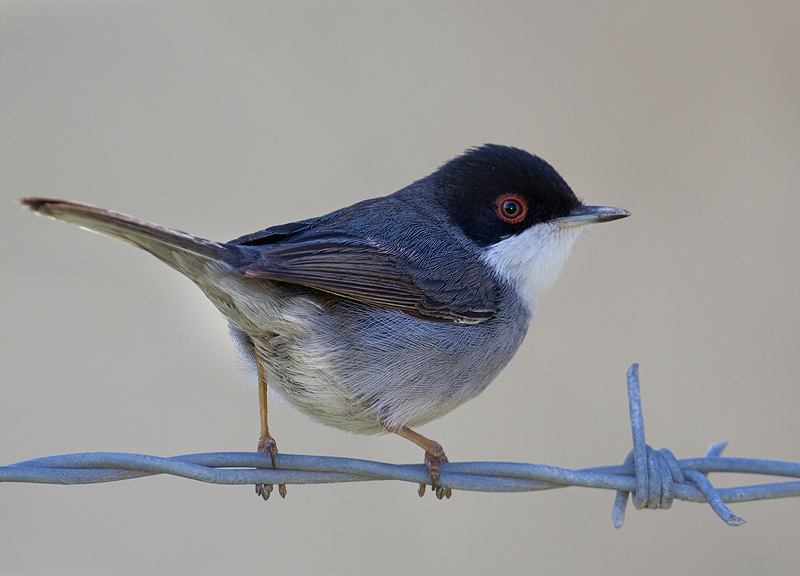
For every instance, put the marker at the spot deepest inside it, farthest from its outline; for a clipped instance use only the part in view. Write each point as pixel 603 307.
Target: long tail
pixel 186 253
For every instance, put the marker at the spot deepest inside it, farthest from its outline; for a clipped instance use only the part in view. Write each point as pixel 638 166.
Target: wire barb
pixel 654 477
pixel 658 470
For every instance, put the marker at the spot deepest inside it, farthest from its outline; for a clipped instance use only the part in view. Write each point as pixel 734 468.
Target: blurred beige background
pixel 221 118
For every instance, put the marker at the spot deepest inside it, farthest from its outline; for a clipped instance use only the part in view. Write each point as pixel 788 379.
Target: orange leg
pixel 434 458
pixel 266 443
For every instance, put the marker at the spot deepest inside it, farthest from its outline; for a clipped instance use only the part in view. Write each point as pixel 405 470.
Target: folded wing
pixel 434 285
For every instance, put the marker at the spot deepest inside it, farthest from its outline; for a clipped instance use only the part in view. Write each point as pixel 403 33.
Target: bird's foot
pixel 268 446
pixel 434 463
pixel 434 457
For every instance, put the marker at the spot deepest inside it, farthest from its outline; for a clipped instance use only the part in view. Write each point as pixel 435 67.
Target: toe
pixel 264 490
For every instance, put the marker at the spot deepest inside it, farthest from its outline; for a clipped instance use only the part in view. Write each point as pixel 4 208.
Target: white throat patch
pixel 532 260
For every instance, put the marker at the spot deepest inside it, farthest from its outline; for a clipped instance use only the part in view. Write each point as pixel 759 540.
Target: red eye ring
pixel 511 208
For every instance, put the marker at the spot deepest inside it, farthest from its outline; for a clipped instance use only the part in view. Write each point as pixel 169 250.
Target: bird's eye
pixel 511 208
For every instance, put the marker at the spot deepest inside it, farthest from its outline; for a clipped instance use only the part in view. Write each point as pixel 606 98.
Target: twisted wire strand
pixel 653 477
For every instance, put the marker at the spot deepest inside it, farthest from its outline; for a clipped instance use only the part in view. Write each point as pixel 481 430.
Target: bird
pixel 385 315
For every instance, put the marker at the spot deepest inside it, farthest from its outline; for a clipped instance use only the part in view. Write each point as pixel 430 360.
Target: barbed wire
pixel 654 477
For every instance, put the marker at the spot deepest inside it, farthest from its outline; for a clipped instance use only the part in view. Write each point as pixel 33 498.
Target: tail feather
pixel 182 251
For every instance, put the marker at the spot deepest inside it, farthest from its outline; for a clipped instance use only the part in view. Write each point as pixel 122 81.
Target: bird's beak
pixel 591 215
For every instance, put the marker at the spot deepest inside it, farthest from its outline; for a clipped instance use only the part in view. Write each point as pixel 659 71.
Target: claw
pixel 264 490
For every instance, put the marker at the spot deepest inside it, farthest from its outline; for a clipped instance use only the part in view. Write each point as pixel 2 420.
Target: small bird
pixel 390 313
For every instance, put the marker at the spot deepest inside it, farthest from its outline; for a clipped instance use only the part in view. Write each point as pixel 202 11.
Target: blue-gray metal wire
pixel 653 477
